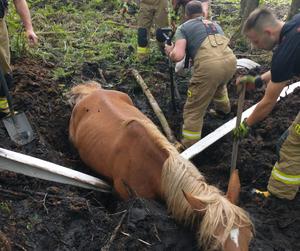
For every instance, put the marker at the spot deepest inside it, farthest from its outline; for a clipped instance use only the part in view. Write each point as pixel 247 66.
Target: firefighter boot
pixel 142 48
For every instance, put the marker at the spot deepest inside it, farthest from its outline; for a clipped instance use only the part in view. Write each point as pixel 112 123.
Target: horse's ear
pixel 234 187
pixel 195 203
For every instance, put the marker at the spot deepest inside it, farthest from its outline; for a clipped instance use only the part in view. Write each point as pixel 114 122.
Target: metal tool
pixel 162 36
pixel 236 141
pixel 248 64
pixel 16 124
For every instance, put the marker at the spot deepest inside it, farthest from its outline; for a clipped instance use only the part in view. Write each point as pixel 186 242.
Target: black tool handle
pixel 169 42
pixel 6 92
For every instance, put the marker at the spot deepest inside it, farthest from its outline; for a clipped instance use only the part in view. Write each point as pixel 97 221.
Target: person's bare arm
pixel 205 9
pixel 176 52
pixel 24 13
pixel 266 105
pixel 266 77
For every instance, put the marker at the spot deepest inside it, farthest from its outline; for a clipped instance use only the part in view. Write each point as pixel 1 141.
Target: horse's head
pixel 80 91
pixel 224 226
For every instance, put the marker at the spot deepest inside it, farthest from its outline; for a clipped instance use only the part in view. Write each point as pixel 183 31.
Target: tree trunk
pixel 247 6
pixel 295 8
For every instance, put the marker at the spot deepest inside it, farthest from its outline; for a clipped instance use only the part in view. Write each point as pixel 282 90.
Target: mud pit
pixel 41 215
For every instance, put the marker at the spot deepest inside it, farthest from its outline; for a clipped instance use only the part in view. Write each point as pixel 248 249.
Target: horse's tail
pixel 81 90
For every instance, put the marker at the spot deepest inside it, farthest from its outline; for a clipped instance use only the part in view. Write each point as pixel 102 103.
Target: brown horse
pixel 118 141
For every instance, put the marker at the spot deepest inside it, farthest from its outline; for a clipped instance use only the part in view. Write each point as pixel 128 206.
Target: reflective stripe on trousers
pixel 285 178
pixel 224 98
pixel 3 104
pixel 142 50
pixel 190 134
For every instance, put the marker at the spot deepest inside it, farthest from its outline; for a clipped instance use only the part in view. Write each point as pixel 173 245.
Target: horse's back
pixel 112 138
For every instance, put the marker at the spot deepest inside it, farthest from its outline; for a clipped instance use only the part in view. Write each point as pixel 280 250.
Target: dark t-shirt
pixel 286 57
pixel 194 31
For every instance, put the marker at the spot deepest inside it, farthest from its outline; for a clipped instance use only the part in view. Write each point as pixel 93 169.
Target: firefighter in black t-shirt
pixel 265 31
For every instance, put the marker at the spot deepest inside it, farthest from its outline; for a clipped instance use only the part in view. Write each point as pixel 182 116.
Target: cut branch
pixel 158 112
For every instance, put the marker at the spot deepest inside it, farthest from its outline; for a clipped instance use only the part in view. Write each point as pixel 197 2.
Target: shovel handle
pixel 235 146
pixel 6 92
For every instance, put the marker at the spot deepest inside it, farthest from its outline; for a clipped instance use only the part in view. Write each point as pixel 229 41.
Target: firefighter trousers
pixel 214 66
pixel 153 12
pixel 285 177
pixel 4 48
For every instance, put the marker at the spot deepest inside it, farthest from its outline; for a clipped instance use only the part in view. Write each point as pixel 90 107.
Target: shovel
pixel 17 125
pixel 236 141
pixel 248 64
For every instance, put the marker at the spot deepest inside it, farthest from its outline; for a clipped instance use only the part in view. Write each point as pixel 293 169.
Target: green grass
pixel 70 35
pixel 73 32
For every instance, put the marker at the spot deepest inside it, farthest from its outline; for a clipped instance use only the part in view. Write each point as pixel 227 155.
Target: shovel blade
pixel 19 129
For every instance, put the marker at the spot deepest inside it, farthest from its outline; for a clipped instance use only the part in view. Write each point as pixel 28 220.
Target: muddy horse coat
pixel 118 141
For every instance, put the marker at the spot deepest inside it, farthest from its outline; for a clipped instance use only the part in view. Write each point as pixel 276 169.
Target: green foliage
pixel 5 208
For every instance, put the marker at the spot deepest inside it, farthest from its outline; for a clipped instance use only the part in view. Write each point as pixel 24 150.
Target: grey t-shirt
pixel 194 31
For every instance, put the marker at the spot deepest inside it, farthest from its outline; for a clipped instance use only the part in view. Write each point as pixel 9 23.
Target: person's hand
pixel 32 37
pixel 247 80
pixel 242 131
pixel 169 48
pixel 250 82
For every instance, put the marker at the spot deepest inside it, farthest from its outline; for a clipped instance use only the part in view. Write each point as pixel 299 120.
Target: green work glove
pixel 241 131
pixel 250 82
pixel 247 80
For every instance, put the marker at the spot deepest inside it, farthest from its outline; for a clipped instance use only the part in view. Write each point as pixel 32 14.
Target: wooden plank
pixel 34 167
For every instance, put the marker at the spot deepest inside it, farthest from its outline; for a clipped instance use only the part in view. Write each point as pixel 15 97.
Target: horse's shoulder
pixel 135 127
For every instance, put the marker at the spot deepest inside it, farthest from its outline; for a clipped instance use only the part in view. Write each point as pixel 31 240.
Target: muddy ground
pixel 42 215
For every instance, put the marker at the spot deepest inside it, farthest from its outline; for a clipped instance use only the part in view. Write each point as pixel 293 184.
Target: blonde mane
pixel 180 175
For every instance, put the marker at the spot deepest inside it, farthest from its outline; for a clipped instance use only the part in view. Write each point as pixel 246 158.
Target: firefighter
pixel 152 12
pixel 180 4
pixel 23 11
pixel 267 32
pixel 214 65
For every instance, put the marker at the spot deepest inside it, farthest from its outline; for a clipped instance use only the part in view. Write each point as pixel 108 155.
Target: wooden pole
pixel 236 141
pixel 158 112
